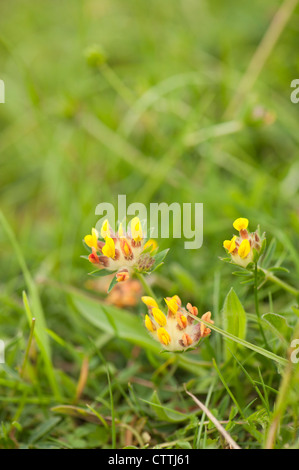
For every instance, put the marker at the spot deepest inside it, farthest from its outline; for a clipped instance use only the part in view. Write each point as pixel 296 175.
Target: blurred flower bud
pixel 95 56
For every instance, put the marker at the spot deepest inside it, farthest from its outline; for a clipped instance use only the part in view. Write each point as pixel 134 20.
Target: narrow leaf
pixel 234 320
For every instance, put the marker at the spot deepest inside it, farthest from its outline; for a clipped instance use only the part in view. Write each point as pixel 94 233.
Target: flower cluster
pixel 177 330
pixel 242 247
pixel 123 252
pixel 126 254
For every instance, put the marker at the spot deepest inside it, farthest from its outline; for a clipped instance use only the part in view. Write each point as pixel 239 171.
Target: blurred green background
pixel 126 97
pixel 73 136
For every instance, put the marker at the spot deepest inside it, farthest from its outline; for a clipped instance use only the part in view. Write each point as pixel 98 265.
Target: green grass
pixel 163 119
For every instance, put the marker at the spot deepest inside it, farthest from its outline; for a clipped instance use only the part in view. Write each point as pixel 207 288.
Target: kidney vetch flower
pixel 241 248
pixel 122 252
pixel 177 330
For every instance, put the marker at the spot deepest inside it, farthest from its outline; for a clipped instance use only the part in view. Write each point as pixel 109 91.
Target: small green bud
pixel 95 56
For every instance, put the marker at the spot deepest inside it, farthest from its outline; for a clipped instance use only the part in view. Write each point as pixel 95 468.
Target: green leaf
pixel 44 428
pixel 250 266
pixel 164 413
pixel 269 253
pixel 226 260
pixel 234 320
pixel 114 321
pixel 159 258
pixel 76 412
pixel 278 325
pixel 263 246
pixel 277 321
pixel 112 284
pixel 87 248
pixel 256 255
pixel 242 273
pixel 264 352
pixel 248 281
pixel 296 311
pixel 183 445
pixel 278 269
pixel 149 249
pixel 35 309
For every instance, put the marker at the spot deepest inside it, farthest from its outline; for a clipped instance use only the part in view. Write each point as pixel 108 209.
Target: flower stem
pixel 284 285
pixel 257 310
pixel 282 399
pixel 146 286
pixel 22 371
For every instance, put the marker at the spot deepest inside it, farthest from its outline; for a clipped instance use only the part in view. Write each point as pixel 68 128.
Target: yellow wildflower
pixel 136 230
pixel 122 252
pixel 109 248
pixel 244 248
pixel 149 301
pixel 159 316
pixel 241 248
pixel 164 336
pixel 92 240
pixel 177 330
pixel 105 230
pixel 230 245
pixel 241 224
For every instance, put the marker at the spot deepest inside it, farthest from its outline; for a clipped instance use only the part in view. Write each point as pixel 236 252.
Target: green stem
pixel 113 424
pixel 146 286
pixel 284 285
pixel 257 310
pixel 28 347
pixel 116 83
pixel 282 400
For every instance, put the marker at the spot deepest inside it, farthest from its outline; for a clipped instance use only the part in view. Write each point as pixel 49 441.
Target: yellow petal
pixel 182 321
pixel 125 247
pixel 172 304
pixel 149 324
pixel 240 224
pixel 230 245
pixel 92 240
pixel 136 229
pixel 244 249
pixel 109 248
pixel 164 336
pixel 177 299
pixel 159 316
pixel 95 233
pixel 105 230
pixel 151 243
pixel 149 301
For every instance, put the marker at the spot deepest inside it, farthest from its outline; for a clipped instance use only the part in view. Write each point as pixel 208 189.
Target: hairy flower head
pixel 122 252
pixel 176 330
pixel 241 248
